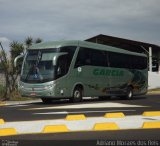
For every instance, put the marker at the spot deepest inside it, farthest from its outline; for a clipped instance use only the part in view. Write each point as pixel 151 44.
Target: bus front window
pixel 38 67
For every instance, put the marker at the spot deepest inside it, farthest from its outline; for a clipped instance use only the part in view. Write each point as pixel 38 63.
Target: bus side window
pixel 92 57
pixel 80 58
pixel 62 66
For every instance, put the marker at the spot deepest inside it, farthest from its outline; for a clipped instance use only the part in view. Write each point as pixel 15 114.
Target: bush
pixel 2 90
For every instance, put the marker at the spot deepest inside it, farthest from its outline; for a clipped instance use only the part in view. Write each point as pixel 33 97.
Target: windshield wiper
pixel 39 56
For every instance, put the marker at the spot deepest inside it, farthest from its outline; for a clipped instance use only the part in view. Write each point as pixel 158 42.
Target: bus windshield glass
pixel 38 66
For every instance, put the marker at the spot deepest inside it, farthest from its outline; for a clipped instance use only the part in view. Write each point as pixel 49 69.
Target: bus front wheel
pixel 77 95
pixel 46 100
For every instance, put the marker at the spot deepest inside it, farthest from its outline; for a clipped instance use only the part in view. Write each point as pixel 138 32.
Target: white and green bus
pixel 77 69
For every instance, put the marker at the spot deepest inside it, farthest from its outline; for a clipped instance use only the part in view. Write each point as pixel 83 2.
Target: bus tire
pixel 46 100
pixel 77 95
pixel 129 93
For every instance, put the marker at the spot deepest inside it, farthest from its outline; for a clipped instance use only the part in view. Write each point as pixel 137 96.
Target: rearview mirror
pixel 55 60
pixel 16 59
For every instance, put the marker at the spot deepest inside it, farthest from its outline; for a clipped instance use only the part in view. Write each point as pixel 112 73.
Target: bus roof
pixel 57 44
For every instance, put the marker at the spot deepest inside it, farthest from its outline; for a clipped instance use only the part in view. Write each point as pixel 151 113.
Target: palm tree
pixel 28 42
pixel 16 49
pixel 38 40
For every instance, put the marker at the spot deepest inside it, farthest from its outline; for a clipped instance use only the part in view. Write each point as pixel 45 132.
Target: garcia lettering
pixel 107 72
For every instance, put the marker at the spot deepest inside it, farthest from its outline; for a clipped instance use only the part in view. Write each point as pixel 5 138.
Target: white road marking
pixel 51 113
pixel 91 105
pixel 8 103
pixel 129 122
pixel 18 105
pixel 78 112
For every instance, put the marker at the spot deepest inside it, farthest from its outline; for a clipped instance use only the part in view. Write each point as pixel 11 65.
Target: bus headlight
pixel 48 86
pixel 20 85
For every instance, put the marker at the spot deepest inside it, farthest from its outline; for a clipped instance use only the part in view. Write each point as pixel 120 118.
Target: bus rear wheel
pixel 77 95
pixel 129 93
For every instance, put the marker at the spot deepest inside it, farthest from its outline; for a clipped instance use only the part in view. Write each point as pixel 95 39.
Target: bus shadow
pixel 90 101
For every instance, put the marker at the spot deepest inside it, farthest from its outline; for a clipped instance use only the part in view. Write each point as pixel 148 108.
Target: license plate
pixel 33 94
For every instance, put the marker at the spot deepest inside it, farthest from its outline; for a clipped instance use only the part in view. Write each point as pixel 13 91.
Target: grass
pixel 2 90
pixel 154 91
pixel 21 98
pixel 158 89
pixel 15 97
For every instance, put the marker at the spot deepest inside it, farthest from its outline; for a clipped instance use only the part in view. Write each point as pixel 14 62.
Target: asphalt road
pixel 110 138
pixel 89 107
pixel 93 135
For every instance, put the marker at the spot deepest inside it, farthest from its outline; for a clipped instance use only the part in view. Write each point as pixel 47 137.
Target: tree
pixel 38 40
pixel 16 49
pixel 7 64
pixel 28 42
pixel 10 72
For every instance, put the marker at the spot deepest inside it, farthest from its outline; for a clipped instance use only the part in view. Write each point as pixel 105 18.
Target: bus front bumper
pixel 30 90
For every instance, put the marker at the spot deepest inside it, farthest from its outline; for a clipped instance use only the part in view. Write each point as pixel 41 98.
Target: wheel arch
pixel 77 85
pixel 131 86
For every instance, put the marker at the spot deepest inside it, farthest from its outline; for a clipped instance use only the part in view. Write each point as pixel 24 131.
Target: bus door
pixel 61 71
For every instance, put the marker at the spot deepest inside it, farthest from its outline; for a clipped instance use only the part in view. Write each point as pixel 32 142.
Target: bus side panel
pixel 93 84
pixel 102 81
pixel 119 80
pixel 137 79
pixel 140 81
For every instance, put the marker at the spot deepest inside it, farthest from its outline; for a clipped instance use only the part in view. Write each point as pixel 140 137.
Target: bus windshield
pixel 38 66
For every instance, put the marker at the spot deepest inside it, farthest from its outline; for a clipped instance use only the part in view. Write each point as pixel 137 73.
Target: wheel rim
pixel 77 94
pixel 129 93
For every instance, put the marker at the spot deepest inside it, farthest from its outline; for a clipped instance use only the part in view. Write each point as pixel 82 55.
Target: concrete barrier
pixel 151 125
pixel 105 126
pixel 1 121
pixel 90 124
pixel 7 131
pixel 75 117
pixel 55 129
pixel 151 113
pixel 114 115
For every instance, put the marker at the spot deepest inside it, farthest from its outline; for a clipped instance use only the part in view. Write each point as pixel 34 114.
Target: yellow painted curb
pixel 2 121
pixel 151 125
pixel 106 126
pixel 114 115
pixel 55 129
pixel 75 117
pixel 7 131
pixel 2 103
pixel 152 113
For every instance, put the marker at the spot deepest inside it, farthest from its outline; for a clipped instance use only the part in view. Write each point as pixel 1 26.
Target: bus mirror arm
pixel 16 59
pixel 54 60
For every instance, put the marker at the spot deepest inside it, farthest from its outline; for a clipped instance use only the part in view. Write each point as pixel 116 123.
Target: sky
pixel 54 20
